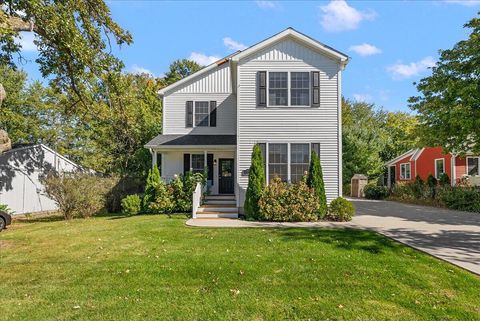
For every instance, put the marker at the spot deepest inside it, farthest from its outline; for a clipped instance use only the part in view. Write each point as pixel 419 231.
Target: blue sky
pixel 391 43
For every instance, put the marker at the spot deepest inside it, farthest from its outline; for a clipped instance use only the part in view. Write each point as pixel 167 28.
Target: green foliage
pixel 131 204
pixel 449 99
pixel 418 187
pixel 432 184
pixel 461 198
pixel 347 189
pixel 282 202
pixel 375 192
pixel 6 209
pixel 163 201
pixel 315 181
pixel 444 180
pixel 153 180
pixel 256 184
pixel 78 194
pixel 340 210
pixel 180 69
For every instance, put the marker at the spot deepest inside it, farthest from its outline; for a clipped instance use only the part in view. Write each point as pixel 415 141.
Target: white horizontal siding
pixel 289 124
pixel 174 114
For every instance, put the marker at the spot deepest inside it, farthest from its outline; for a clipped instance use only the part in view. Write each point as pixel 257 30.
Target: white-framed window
pixel 405 171
pixel 439 167
pixel 197 163
pixel 202 112
pixel 473 166
pixel 288 161
pixel 288 89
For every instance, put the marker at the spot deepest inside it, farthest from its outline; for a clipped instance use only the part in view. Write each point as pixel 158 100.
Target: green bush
pixel 432 184
pixel 78 194
pixel 163 202
pixel 315 181
pixel 153 179
pixel 256 184
pixel 340 210
pixel 126 186
pixel 461 198
pixel 6 209
pixel 347 189
pixel 444 180
pixel 131 204
pixel 374 192
pixel 282 202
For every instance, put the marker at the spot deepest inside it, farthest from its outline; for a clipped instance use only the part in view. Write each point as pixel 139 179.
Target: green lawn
pixel 155 268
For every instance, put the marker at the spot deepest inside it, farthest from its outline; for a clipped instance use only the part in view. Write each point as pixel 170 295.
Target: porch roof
pixel 192 140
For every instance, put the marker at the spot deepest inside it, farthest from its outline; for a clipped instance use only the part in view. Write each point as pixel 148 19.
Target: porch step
pixel 220 197
pixel 216 215
pixel 217 209
pixel 220 202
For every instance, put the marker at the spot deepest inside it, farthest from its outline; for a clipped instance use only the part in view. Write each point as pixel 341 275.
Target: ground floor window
pixel 198 163
pixel 288 161
pixel 405 173
pixel 473 166
pixel 439 167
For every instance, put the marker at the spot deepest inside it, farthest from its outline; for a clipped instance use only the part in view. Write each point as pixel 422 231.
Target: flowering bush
pixel 282 202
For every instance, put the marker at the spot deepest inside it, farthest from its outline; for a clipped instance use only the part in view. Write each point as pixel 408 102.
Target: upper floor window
pixel 439 167
pixel 201 113
pixel 405 173
pixel 278 88
pixel 473 164
pixel 300 89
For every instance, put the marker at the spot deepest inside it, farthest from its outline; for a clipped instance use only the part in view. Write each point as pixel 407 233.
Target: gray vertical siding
pixel 289 124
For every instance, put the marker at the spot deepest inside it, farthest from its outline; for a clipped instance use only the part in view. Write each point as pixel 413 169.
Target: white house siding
pixel 20 173
pixel 214 85
pixel 289 124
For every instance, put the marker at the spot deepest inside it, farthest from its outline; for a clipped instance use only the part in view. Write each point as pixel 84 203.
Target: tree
pixel 256 183
pixel 401 134
pixel 73 39
pixel 315 181
pixel 180 69
pixel 449 102
pixel 153 181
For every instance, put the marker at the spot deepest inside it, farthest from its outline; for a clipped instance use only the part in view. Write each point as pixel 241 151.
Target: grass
pixel 155 268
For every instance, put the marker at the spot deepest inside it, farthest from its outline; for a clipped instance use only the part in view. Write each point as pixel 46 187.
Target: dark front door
pixel 393 175
pixel 225 176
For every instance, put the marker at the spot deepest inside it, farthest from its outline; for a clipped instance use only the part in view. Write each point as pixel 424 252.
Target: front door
pixel 225 176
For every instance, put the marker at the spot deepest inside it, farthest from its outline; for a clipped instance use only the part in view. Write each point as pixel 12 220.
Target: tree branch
pixel 18 24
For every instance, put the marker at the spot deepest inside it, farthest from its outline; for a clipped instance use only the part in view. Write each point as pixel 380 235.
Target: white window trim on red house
pixel 402 177
pixel 437 176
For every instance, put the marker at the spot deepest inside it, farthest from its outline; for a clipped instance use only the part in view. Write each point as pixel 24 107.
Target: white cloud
pixel 339 16
pixel 365 49
pixel 365 98
pixel 25 40
pixel 233 45
pixel 401 71
pixel 266 4
pixel 203 59
pixel 136 69
pixel 467 3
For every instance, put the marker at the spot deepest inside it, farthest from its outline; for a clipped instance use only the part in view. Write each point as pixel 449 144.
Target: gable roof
pixel 412 153
pixel 236 56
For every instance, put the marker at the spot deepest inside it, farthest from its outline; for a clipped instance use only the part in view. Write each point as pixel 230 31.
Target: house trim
pixel 404 155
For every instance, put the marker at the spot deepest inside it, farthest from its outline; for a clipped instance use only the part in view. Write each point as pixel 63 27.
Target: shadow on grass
pixel 347 239
pixel 38 219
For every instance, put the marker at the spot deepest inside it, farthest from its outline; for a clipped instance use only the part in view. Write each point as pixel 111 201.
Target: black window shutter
pixel 262 88
pixel 213 114
pixel 210 167
pixel 316 148
pixel 315 89
pixel 186 163
pixel 189 114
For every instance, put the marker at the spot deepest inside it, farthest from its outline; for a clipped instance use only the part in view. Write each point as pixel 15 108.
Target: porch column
pixel 154 159
pixel 454 174
pixel 205 158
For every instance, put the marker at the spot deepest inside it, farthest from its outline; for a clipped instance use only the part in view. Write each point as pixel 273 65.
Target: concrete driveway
pixel 449 235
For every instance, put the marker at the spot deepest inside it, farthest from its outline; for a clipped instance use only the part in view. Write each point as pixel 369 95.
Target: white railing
pixel 196 199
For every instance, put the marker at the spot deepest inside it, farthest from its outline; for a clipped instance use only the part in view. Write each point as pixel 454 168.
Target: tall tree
pixel 449 102
pixel 401 134
pixel 256 183
pixel 180 69
pixel 73 39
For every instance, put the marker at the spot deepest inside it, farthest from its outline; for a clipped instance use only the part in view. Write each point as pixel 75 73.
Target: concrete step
pixel 220 197
pixel 220 202
pixel 216 215
pixel 218 208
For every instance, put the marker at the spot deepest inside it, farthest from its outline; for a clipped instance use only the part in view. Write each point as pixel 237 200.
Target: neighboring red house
pixel 431 160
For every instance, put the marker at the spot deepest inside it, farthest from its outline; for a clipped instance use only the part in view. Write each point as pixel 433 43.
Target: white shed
pixel 20 172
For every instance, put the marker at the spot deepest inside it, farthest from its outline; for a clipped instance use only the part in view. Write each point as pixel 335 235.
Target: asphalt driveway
pixel 453 236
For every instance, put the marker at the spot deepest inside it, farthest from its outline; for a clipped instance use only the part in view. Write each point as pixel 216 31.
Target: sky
pixel 391 43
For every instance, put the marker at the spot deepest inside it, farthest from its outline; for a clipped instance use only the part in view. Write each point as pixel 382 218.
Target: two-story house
pixel 283 93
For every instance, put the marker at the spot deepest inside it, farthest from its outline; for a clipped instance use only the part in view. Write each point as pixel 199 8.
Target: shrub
pixel 315 181
pixel 432 184
pixel 163 202
pixel 78 194
pixel 374 192
pixel 347 189
pixel 256 184
pixel 153 179
pixel 282 202
pixel 126 186
pixel 6 209
pixel 444 180
pixel 418 187
pixel 340 210
pixel 461 198
pixel 131 204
